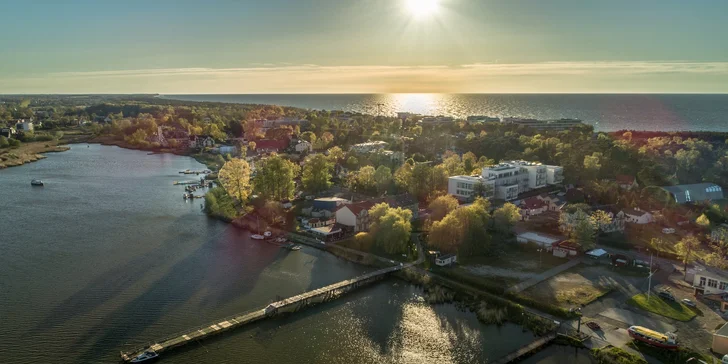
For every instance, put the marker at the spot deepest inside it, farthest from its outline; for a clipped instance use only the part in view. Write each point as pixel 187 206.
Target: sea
pixel 108 256
pixel 606 112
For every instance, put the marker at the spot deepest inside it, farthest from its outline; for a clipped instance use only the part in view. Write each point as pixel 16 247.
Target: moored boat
pixel 36 182
pixel 667 340
pixel 148 355
pixel 257 237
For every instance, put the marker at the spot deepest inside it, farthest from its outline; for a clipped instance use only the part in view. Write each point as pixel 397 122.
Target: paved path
pixel 544 276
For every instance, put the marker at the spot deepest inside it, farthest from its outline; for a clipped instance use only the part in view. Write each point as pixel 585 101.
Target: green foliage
pixel 655 304
pixel 219 204
pixel 4 142
pixel 442 206
pixel 317 173
pixel 505 217
pixel 463 230
pixel 235 178
pixel 274 178
pixel 390 228
pixel 382 178
pixel 614 355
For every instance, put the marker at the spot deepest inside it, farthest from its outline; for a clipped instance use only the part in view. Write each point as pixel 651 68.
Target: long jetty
pixel 527 349
pixel 291 304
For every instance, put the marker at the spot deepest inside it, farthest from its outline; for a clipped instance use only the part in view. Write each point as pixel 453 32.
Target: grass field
pixel 662 307
pixel 582 295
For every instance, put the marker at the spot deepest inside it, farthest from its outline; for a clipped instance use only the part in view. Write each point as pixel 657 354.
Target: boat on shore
pixel 257 237
pixel 36 182
pixel 667 340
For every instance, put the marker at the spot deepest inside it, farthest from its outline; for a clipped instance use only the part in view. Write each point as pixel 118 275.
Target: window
pixel 687 196
pixel 723 285
pixel 702 282
pixel 712 283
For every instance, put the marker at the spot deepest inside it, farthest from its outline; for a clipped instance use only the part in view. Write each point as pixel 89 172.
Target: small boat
pixel 267 234
pixel 667 340
pixel 257 237
pixel 148 355
pixel 296 247
pixel 36 182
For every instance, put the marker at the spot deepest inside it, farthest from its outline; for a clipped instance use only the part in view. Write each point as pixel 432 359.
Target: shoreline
pixel 29 153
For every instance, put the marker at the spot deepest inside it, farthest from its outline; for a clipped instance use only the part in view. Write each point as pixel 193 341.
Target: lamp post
pixel 649 280
pixel 539 256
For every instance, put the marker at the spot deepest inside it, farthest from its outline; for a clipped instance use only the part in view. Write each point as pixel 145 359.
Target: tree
pixel 658 245
pixel 685 249
pixel 592 165
pixel 235 178
pixel 391 228
pixel 309 136
pixel 402 176
pixel 365 178
pixel 505 217
pixel 274 178
pixel 336 154
pixel 463 230
pixel 481 189
pixel 716 260
pixel 442 206
pixel 316 175
pixel 352 162
pixel 702 221
pixel 583 233
pixel 601 219
pixel 4 142
pixel 382 178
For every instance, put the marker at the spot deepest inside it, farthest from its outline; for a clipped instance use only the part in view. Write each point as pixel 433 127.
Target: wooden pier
pixel 527 349
pixel 290 304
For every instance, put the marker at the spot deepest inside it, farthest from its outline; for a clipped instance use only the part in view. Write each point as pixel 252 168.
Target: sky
pixel 363 46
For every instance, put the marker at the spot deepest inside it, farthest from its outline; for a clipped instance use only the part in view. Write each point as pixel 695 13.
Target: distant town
pixel 620 238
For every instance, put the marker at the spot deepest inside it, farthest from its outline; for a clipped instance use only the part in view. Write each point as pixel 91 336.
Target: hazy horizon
pixel 364 46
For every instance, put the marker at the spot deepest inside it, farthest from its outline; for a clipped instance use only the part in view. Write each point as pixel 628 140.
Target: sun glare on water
pixel 422 8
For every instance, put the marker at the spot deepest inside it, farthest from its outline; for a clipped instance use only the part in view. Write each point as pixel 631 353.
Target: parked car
pixel 666 295
pixel 688 302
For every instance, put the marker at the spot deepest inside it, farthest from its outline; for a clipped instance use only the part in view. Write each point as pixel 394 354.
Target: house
pixel 368 147
pixel 553 202
pixel 24 126
pixel 445 260
pixel 698 192
pixel 201 141
pixel 355 215
pixel 532 206
pixel 7 132
pixel 328 232
pixel 542 240
pixel 316 222
pixel 707 280
pixel 329 203
pixel 720 340
pixel 565 249
pixel 286 204
pixel 271 145
pixel 226 149
pixel 303 146
pixel 637 216
pixel 626 182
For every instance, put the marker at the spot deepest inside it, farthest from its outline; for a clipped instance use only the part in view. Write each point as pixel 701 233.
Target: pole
pixel 649 280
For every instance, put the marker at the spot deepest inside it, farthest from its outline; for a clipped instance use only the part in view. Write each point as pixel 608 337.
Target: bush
pixel 4 142
pixel 14 142
pixel 613 355
pixel 43 138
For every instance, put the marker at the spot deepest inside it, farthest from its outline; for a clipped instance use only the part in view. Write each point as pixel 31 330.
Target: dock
pixel 291 304
pixel 524 350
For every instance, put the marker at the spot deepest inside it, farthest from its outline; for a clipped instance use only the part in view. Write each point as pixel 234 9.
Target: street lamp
pixel 539 256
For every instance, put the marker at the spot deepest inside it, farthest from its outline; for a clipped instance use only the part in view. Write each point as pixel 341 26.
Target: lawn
pixel 611 354
pixel 655 304
pixel 582 295
pixel 681 355
pixel 568 289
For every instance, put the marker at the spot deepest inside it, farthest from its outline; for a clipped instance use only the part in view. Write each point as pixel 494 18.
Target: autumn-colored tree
pixel 235 178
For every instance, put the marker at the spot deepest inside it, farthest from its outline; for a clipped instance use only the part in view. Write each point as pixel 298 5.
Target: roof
pixel 723 331
pixel 446 256
pixel 633 212
pixel 597 253
pixel 328 230
pixel 540 238
pixel 532 203
pixel 624 179
pixel 566 245
pixel 331 199
pixel 695 192
pixel 358 207
pixel 271 144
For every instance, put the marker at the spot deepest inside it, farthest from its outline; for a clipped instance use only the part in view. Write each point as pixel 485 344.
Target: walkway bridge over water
pixel 291 304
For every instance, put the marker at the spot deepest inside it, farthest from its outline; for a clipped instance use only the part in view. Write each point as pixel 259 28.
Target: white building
pixel 463 187
pixel 368 147
pixel 707 280
pixel 303 146
pixel 447 259
pixel 554 175
pixel 542 240
pixel 638 216
pixel 507 180
pixel 24 125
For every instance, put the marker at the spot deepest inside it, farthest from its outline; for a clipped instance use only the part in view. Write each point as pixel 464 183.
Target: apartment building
pixel 507 180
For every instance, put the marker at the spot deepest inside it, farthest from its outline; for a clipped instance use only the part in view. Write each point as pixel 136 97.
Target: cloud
pixel 606 76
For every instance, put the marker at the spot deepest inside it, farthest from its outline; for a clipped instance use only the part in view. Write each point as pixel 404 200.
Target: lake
pixel 107 255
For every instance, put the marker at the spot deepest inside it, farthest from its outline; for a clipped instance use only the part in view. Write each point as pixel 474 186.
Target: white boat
pixel 145 356
pixel 257 237
pixel 267 234
pixel 36 182
pixel 297 247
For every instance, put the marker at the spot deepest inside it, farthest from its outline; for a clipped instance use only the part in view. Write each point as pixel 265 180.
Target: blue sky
pixel 221 46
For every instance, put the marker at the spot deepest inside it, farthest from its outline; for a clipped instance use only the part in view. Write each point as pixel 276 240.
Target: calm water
pixel 605 112
pixel 559 354
pixel 108 254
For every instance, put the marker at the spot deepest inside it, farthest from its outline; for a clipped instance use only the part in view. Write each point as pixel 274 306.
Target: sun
pixel 422 8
